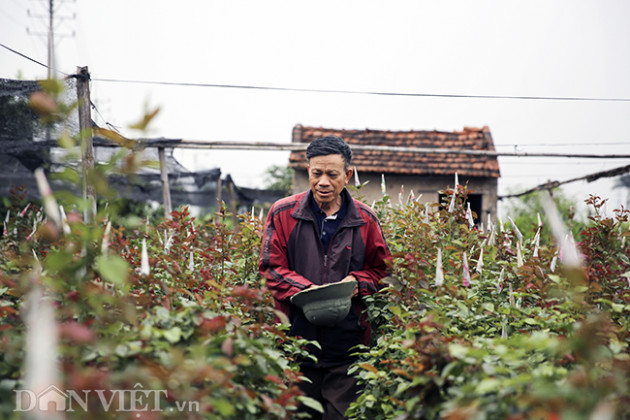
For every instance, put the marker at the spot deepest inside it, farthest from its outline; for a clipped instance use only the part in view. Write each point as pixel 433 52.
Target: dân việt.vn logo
pixel 53 399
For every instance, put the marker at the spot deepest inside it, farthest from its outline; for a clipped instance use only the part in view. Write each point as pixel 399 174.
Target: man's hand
pixel 355 292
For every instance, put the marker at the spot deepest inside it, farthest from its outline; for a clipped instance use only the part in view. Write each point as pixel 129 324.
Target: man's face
pixel 327 177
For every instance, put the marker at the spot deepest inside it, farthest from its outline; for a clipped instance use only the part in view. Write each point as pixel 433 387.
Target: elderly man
pixel 318 237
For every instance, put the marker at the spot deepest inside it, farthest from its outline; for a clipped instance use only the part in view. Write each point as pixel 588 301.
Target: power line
pixel 257 145
pixel 23 55
pixel 621 143
pixel 32 59
pixel 357 92
pixel 341 91
pixel 563 162
pixel 589 178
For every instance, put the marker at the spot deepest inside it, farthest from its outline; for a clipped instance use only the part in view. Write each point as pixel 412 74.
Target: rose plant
pixel 506 322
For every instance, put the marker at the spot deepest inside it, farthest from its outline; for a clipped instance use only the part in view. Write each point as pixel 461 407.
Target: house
pixel 424 173
pixel 51 399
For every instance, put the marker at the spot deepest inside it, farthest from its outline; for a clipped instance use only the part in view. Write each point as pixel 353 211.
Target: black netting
pixel 28 143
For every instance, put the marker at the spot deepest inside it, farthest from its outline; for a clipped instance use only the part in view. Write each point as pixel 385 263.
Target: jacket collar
pixel 352 217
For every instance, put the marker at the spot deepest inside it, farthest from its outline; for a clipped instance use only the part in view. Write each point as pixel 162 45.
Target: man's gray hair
pixel 330 145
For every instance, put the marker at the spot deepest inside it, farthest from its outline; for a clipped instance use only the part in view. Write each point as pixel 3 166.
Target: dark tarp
pixel 26 145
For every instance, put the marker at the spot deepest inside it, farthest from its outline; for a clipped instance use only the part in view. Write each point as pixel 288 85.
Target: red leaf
pixel 76 332
pixel 228 347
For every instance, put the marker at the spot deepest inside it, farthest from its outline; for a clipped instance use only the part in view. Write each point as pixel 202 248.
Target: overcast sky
pixel 555 49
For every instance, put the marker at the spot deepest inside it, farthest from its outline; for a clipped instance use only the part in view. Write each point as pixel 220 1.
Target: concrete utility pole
pixel 51 38
pixel 50 17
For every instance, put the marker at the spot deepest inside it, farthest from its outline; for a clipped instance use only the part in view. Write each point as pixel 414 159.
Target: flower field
pixel 158 319
pixel 521 329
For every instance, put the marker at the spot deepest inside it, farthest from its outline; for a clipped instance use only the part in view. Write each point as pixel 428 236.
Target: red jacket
pixel 292 259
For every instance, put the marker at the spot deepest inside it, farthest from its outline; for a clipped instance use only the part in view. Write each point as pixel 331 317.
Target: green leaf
pixel 131 222
pixel 396 310
pixel 488 306
pixel 224 407
pixel 554 278
pixel 173 335
pixel 457 350
pixel 311 403
pixel 487 385
pixel 128 349
pixel 113 269
pixel 618 307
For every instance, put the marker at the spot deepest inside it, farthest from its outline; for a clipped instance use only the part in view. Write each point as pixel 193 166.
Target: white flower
pixel 480 262
pixel 451 206
pixel 568 251
pixel 439 273
pixel 50 204
pixel 518 232
pixel 519 255
pixel 411 197
pixel 105 243
pixel 145 270
pixel 469 216
pixel 64 220
pixel 536 242
pixel 466 272
pixel 383 185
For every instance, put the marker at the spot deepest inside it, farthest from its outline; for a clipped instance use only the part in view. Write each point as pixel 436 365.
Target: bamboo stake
pixel 232 194
pixel 166 189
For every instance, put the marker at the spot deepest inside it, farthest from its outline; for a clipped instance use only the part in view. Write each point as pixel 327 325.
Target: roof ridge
pixel 409 162
pixel 466 129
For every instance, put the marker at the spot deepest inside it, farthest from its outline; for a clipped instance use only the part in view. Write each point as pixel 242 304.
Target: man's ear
pixel 349 173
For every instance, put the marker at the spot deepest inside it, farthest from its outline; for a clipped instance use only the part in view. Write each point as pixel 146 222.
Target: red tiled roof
pixel 408 162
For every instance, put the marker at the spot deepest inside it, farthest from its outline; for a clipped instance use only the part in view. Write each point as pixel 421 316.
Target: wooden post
pixel 218 193
pixel 85 134
pixel 232 202
pixel 218 207
pixel 166 189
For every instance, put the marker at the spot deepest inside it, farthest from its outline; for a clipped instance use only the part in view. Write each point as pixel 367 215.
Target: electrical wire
pixel 357 92
pixel 32 59
pixel 621 143
pixel 565 162
pixel 352 92
pixel 339 91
